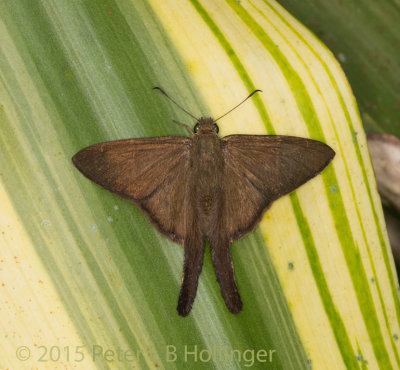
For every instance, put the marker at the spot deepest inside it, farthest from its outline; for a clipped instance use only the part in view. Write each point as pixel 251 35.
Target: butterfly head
pixel 206 125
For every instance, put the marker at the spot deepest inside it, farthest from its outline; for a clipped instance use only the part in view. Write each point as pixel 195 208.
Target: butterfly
pixel 204 187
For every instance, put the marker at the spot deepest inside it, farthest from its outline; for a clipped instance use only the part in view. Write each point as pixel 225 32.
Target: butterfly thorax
pixel 207 164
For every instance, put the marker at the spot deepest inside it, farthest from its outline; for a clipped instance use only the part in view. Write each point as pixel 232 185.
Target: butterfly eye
pixel 196 127
pixel 216 128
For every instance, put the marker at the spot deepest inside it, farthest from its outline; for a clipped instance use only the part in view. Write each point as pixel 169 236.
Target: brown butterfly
pixel 204 187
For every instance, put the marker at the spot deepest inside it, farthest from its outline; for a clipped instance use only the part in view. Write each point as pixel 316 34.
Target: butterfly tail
pixel 221 257
pixel 193 262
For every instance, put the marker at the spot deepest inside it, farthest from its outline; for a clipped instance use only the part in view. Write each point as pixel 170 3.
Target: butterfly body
pixel 204 187
pixel 206 163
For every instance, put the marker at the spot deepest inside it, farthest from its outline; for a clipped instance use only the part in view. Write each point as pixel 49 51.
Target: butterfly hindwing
pixel 169 204
pixel 149 172
pixel 260 169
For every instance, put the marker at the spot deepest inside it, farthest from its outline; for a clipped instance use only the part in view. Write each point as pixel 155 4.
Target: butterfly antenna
pixel 238 105
pixel 173 101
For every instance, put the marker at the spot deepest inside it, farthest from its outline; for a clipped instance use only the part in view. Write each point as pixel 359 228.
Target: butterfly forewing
pixel 150 172
pixel 260 169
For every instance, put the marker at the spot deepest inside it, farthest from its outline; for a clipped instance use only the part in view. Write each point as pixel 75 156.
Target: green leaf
pixel 364 36
pixel 83 267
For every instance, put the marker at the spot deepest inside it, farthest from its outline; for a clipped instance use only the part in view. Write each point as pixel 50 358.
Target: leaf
pixel 363 36
pixel 82 267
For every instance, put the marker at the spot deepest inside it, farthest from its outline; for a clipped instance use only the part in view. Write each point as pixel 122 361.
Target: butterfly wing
pixel 260 169
pixel 151 172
